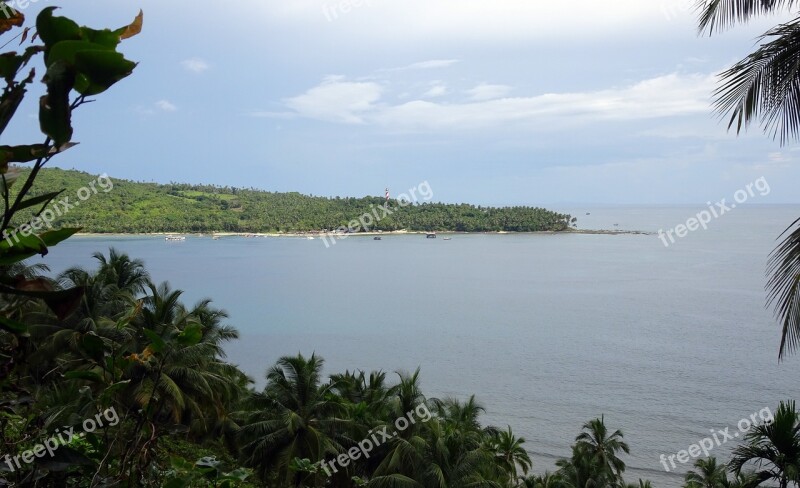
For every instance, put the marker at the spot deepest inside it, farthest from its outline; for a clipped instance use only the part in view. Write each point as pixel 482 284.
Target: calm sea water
pixel 548 331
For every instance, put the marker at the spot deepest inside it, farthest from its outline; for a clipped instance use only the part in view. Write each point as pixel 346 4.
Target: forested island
pixel 137 207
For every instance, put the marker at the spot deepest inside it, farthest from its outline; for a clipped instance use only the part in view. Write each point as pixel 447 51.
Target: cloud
pixel 485 91
pixel 661 97
pixel 336 100
pixel 166 106
pixel 437 89
pixel 430 64
pixel 195 65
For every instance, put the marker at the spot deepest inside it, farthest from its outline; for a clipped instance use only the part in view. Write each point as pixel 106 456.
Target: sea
pixel 671 344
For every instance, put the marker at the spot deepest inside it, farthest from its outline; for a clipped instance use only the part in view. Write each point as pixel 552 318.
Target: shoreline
pixel 316 234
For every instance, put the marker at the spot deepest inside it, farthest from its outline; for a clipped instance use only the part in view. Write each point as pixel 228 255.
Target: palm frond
pixel 784 288
pixel 765 86
pixel 721 14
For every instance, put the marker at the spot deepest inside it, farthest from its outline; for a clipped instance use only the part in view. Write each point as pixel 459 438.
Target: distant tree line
pixel 138 207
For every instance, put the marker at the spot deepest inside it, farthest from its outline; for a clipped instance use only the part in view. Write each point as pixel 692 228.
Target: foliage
pixel 132 207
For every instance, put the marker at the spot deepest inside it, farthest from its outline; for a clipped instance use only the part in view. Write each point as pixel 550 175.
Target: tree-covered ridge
pixel 138 207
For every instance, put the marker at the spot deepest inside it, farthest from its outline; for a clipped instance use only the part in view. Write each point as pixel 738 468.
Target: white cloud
pixel 437 89
pixel 665 96
pixel 195 65
pixel 336 100
pixel 485 91
pixel 430 64
pixel 166 106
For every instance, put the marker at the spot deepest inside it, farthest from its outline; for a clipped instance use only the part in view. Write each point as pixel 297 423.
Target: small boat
pixel 448 238
pixel 310 238
pixel 431 236
pixel 587 213
pixel 376 238
pixel 175 238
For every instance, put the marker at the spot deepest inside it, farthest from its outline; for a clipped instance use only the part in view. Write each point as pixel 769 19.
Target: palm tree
pixel 742 480
pixel 547 480
pixel 296 416
pixel 773 449
pixel 122 271
pixel 509 454
pixel 765 87
pixel 709 474
pixel 601 448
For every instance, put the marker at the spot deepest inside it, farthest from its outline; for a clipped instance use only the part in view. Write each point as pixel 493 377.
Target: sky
pixel 504 102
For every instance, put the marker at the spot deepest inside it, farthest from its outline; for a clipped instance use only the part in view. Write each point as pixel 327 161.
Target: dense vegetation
pixel 108 379
pixel 183 416
pixel 148 207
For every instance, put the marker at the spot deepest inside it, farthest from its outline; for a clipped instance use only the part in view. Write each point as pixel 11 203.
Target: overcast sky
pixel 492 102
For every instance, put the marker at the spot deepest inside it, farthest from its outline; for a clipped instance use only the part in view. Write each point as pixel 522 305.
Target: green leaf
pixel 45 199
pixel 98 70
pixel 191 335
pixel 104 37
pixel 83 375
pixel 61 302
pixel 53 237
pixel 13 326
pixel 55 114
pixel 156 342
pixel 120 385
pixel 63 459
pixel 67 50
pixel 176 483
pixel 178 463
pixel 239 474
pixel 54 29
pixel 93 345
pixel 21 243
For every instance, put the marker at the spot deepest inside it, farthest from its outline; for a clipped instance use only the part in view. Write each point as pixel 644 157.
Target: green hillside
pixel 131 207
